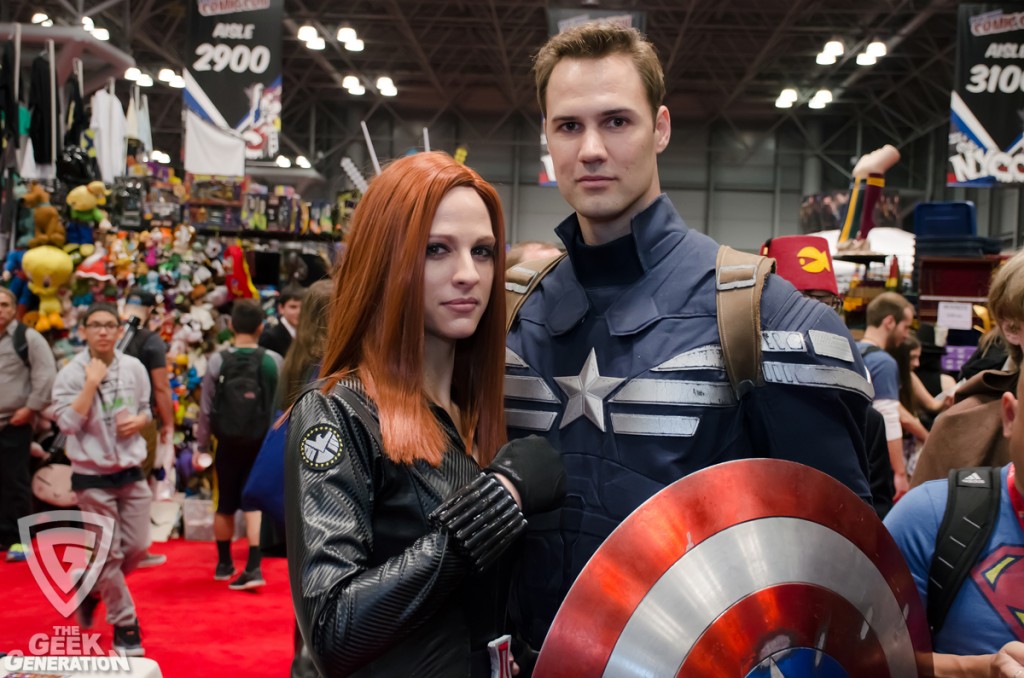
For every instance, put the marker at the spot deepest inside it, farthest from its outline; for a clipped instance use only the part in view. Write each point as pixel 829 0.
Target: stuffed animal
pixel 85 214
pixel 48 268
pixel 49 229
pixel 238 280
pixel 17 280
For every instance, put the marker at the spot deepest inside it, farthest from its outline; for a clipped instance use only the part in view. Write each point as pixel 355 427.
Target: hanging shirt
pixel 212 150
pixel 108 124
pixel 39 101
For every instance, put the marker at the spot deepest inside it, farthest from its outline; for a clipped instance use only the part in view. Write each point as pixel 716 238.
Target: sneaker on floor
pixel 153 560
pixel 224 571
pixel 87 611
pixel 16 554
pixel 128 640
pixel 250 579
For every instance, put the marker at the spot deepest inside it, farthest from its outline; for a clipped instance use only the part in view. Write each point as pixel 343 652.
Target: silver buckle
pixel 747 282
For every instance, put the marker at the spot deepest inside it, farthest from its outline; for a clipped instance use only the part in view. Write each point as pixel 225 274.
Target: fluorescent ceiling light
pixel 834 47
pixel 384 82
pixel 823 95
pixel 354 46
pixel 876 49
pixel 283 162
pixel 317 44
pixel 307 33
pixel 865 59
pixel 165 75
pixel 145 80
pixel 302 162
pixel 358 91
pixel 788 94
pixel 389 92
pixel 783 103
pixel 132 73
pixel 101 34
pixel 347 34
pixel 825 59
pixel 816 103
pixel 350 81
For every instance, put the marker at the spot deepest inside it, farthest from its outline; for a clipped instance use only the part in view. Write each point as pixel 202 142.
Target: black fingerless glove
pixel 535 468
pixel 481 520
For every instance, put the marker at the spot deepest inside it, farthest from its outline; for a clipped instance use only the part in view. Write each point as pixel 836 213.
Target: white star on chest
pixel 586 393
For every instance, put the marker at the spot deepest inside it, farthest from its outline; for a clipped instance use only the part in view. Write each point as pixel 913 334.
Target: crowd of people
pixel 456 450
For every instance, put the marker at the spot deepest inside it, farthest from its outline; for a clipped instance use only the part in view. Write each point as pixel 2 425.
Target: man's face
pixel 603 142
pixel 290 311
pixel 7 311
pixel 901 330
pixel 102 330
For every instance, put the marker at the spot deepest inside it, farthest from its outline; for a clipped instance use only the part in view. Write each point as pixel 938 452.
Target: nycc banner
pixel 233 78
pixel 986 144
pixel 562 19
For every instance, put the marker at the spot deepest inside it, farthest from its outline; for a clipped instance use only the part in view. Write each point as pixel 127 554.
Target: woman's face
pixel 459 269
pixel 915 358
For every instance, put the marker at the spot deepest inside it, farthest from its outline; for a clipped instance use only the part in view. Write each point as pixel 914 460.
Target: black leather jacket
pixel 377 590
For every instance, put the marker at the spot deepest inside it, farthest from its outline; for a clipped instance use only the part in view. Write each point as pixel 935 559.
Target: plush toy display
pixel 85 214
pixel 237 274
pixel 48 228
pixel 49 269
pixel 17 281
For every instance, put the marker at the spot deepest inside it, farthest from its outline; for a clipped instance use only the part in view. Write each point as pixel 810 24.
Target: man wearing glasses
pixel 101 402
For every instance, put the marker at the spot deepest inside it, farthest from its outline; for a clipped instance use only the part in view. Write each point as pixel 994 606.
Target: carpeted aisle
pixel 191 624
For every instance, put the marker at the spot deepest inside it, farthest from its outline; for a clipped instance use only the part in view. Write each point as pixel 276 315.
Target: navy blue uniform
pixel 616 359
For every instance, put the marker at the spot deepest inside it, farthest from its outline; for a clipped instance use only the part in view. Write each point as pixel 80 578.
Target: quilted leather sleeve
pixel 350 612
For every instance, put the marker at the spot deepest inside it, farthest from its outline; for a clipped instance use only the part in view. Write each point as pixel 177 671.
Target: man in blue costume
pixel 615 356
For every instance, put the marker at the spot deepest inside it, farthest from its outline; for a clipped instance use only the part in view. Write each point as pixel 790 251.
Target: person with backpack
pixel 616 356
pixel 963 539
pixel 27 370
pixel 237 407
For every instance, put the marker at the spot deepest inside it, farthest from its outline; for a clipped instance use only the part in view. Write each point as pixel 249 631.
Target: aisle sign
pixel 986 144
pixel 954 315
pixel 233 77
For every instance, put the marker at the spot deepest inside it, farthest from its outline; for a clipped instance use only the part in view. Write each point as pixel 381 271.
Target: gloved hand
pixel 481 519
pixel 535 468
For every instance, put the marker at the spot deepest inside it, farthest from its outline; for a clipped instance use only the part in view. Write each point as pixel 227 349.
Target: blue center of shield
pixel 799 662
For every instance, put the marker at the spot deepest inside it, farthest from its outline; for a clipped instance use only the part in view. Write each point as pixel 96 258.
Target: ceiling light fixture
pixel 823 95
pixel 384 82
pixel 87 24
pixel 39 18
pixel 132 73
pixel 165 75
pixel 307 33
pixel 357 91
pixel 317 44
pixel 354 46
pixel 877 49
pixel 783 103
pixel 302 162
pixel 101 34
pixel 866 59
pixel 283 162
pixel 350 81
pixel 347 34
pixel 816 103
pixel 178 82
pixel 825 59
pixel 834 47
pixel 788 94
pixel 145 80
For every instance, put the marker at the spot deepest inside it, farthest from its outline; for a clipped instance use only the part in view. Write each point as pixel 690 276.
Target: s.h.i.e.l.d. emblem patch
pixel 321 447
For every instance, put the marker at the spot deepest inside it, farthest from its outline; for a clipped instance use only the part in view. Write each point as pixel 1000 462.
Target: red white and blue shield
pixel 753 568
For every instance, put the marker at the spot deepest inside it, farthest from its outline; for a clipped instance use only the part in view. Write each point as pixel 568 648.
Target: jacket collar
pixel 655 232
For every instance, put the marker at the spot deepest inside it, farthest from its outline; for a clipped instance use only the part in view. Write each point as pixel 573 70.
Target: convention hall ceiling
pixel 726 60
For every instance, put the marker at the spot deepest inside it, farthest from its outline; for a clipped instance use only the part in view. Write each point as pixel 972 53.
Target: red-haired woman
pixel 393 530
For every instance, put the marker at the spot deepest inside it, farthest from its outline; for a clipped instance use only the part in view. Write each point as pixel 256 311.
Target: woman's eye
pixel 434 249
pixel 483 252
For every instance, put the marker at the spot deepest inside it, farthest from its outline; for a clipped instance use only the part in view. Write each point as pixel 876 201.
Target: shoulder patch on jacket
pixel 321 446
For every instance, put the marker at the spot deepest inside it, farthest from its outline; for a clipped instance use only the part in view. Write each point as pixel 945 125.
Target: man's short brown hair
pixel 596 41
pixel 884 305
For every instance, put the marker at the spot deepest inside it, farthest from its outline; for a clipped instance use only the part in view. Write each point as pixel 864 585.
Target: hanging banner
pixel 233 79
pixel 986 144
pixel 560 20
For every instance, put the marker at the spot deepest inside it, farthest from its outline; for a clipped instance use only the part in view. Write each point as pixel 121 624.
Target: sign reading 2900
pixel 238 58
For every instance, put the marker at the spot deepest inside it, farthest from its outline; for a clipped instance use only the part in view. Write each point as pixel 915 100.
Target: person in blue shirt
pixel 615 356
pixel 984 627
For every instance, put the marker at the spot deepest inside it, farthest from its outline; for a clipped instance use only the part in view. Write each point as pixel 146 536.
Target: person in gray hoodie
pixel 101 402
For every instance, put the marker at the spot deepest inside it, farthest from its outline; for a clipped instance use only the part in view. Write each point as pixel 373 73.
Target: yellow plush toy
pixel 48 268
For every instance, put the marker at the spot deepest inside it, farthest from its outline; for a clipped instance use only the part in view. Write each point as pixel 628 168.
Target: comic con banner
pixel 233 78
pixel 986 144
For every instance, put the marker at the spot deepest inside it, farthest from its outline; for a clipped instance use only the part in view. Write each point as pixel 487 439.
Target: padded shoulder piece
pixel 972 508
pixel 520 280
pixel 739 279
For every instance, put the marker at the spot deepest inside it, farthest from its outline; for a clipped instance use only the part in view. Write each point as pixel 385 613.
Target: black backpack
pixel 241 401
pixel 21 343
pixel 972 509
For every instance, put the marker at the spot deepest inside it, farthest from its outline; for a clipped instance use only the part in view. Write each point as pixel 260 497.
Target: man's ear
pixel 662 129
pixel 1009 411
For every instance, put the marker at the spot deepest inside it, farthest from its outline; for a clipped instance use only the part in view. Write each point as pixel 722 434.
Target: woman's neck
pixel 438 365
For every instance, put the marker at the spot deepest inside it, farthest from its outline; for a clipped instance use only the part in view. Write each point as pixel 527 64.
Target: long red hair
pixel 376 324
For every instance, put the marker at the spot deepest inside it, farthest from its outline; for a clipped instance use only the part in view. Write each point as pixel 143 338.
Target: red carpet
pixel 191 624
